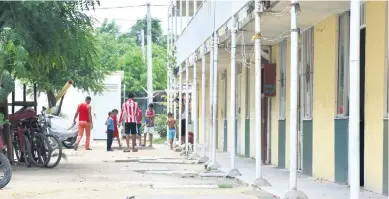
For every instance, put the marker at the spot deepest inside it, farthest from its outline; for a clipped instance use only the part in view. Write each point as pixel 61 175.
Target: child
pixel 171 122
pixel 149 127
pixel 115 123
pixel 110 129
pixel 138 125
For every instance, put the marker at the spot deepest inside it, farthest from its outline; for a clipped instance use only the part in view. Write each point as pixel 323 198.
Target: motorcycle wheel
pixel 69 143
pixel 5 171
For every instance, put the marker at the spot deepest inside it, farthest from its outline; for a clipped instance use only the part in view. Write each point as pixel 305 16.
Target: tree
pixel 121 52
pixel 156 31
pixel 60 44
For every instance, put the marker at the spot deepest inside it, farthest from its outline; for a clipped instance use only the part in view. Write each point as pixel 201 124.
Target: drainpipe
pixel 354 99
pixel 214 165
pixel 187 107
pixel 204 158
pixel 259 181
pixel 233 172
pixel 195 111
pixel 293 101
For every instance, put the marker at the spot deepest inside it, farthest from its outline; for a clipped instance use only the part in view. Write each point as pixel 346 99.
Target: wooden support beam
pixel 21 103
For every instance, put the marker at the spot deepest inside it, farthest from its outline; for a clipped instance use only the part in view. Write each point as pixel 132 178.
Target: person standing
pixel 110 129
pixel 85 123
pixel 138 125
pixel 149 127
pixel 171 122
pixel 128 115
pixel 116 131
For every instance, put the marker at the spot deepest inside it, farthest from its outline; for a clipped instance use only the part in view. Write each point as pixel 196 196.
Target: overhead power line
pixel 130 6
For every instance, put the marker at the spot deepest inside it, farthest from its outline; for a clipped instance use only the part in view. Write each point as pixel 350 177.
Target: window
pixel 282 98
pixel 307 73
pixel 247 99
pixel 342 98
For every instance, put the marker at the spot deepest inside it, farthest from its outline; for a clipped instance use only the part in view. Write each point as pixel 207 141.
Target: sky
pixel 126 17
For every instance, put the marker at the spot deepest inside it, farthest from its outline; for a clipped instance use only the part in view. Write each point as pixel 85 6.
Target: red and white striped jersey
pixel 129 110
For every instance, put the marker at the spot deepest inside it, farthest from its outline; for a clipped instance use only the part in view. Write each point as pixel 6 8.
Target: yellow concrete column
pixel 374 93
pixel 324 95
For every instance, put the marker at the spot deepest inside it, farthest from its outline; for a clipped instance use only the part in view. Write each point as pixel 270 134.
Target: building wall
pixel 374 93
pixel 324 77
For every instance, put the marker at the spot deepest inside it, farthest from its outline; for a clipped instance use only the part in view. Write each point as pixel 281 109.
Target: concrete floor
pixel 116 175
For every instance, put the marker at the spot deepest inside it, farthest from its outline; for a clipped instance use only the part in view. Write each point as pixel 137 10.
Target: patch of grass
pixel 159 140
pixel 225 186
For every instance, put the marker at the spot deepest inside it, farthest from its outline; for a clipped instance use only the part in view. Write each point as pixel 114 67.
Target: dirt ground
pixel 116 175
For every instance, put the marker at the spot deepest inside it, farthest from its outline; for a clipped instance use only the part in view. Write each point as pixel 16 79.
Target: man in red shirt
pixel 139 124
pixel 85 123
pixel 129 110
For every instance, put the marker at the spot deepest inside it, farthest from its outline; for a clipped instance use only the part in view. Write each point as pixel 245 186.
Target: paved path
pixel 115 175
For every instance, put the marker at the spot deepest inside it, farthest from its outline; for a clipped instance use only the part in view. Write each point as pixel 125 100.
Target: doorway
pixel 362 49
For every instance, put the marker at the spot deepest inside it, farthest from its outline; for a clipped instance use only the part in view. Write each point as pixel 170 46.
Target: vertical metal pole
pixel 293 95
pixel 187 13
pixel 187 106
pixel 168 102
pixel 268 130
pixel 215 102
pixel 258 85
pixel 203 100
pixel 149 57
pixel 195 105
pixel 194 7
pixel 180 103
pixel 175 21
pixel 181 21
pixel 354 118
pixel 211 82
pixel 232 119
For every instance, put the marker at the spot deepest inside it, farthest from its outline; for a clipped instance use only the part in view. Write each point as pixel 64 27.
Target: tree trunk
pixel 51 98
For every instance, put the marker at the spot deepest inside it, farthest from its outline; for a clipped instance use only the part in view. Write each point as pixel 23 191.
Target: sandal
pixel 127 150
pixel 134 150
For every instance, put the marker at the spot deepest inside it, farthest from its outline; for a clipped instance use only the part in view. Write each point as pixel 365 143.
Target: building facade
pixel 323 82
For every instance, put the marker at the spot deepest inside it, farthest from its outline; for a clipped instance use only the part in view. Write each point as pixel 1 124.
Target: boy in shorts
pixel 149 127
pixel 171 122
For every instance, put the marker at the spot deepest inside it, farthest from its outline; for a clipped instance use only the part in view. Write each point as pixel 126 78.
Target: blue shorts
pixel 171 134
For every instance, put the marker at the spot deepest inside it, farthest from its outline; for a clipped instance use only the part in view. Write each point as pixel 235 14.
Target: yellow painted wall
pixel 324 90
pixel 374 93
pixel 274 109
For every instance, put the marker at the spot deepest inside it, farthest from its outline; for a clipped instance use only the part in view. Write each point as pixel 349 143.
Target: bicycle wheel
pixel 26 149
pixel 18 153
pixel 56 152
pixel 5 171
pixel 40 150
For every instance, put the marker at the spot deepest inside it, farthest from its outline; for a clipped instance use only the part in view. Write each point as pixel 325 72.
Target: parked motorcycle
pixel 59 127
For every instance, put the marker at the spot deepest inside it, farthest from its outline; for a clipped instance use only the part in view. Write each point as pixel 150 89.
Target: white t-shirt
pixel 183 115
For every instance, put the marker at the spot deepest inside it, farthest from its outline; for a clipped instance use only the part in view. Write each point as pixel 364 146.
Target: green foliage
pixel 160 125
pixel 120 51
pixel 156 31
